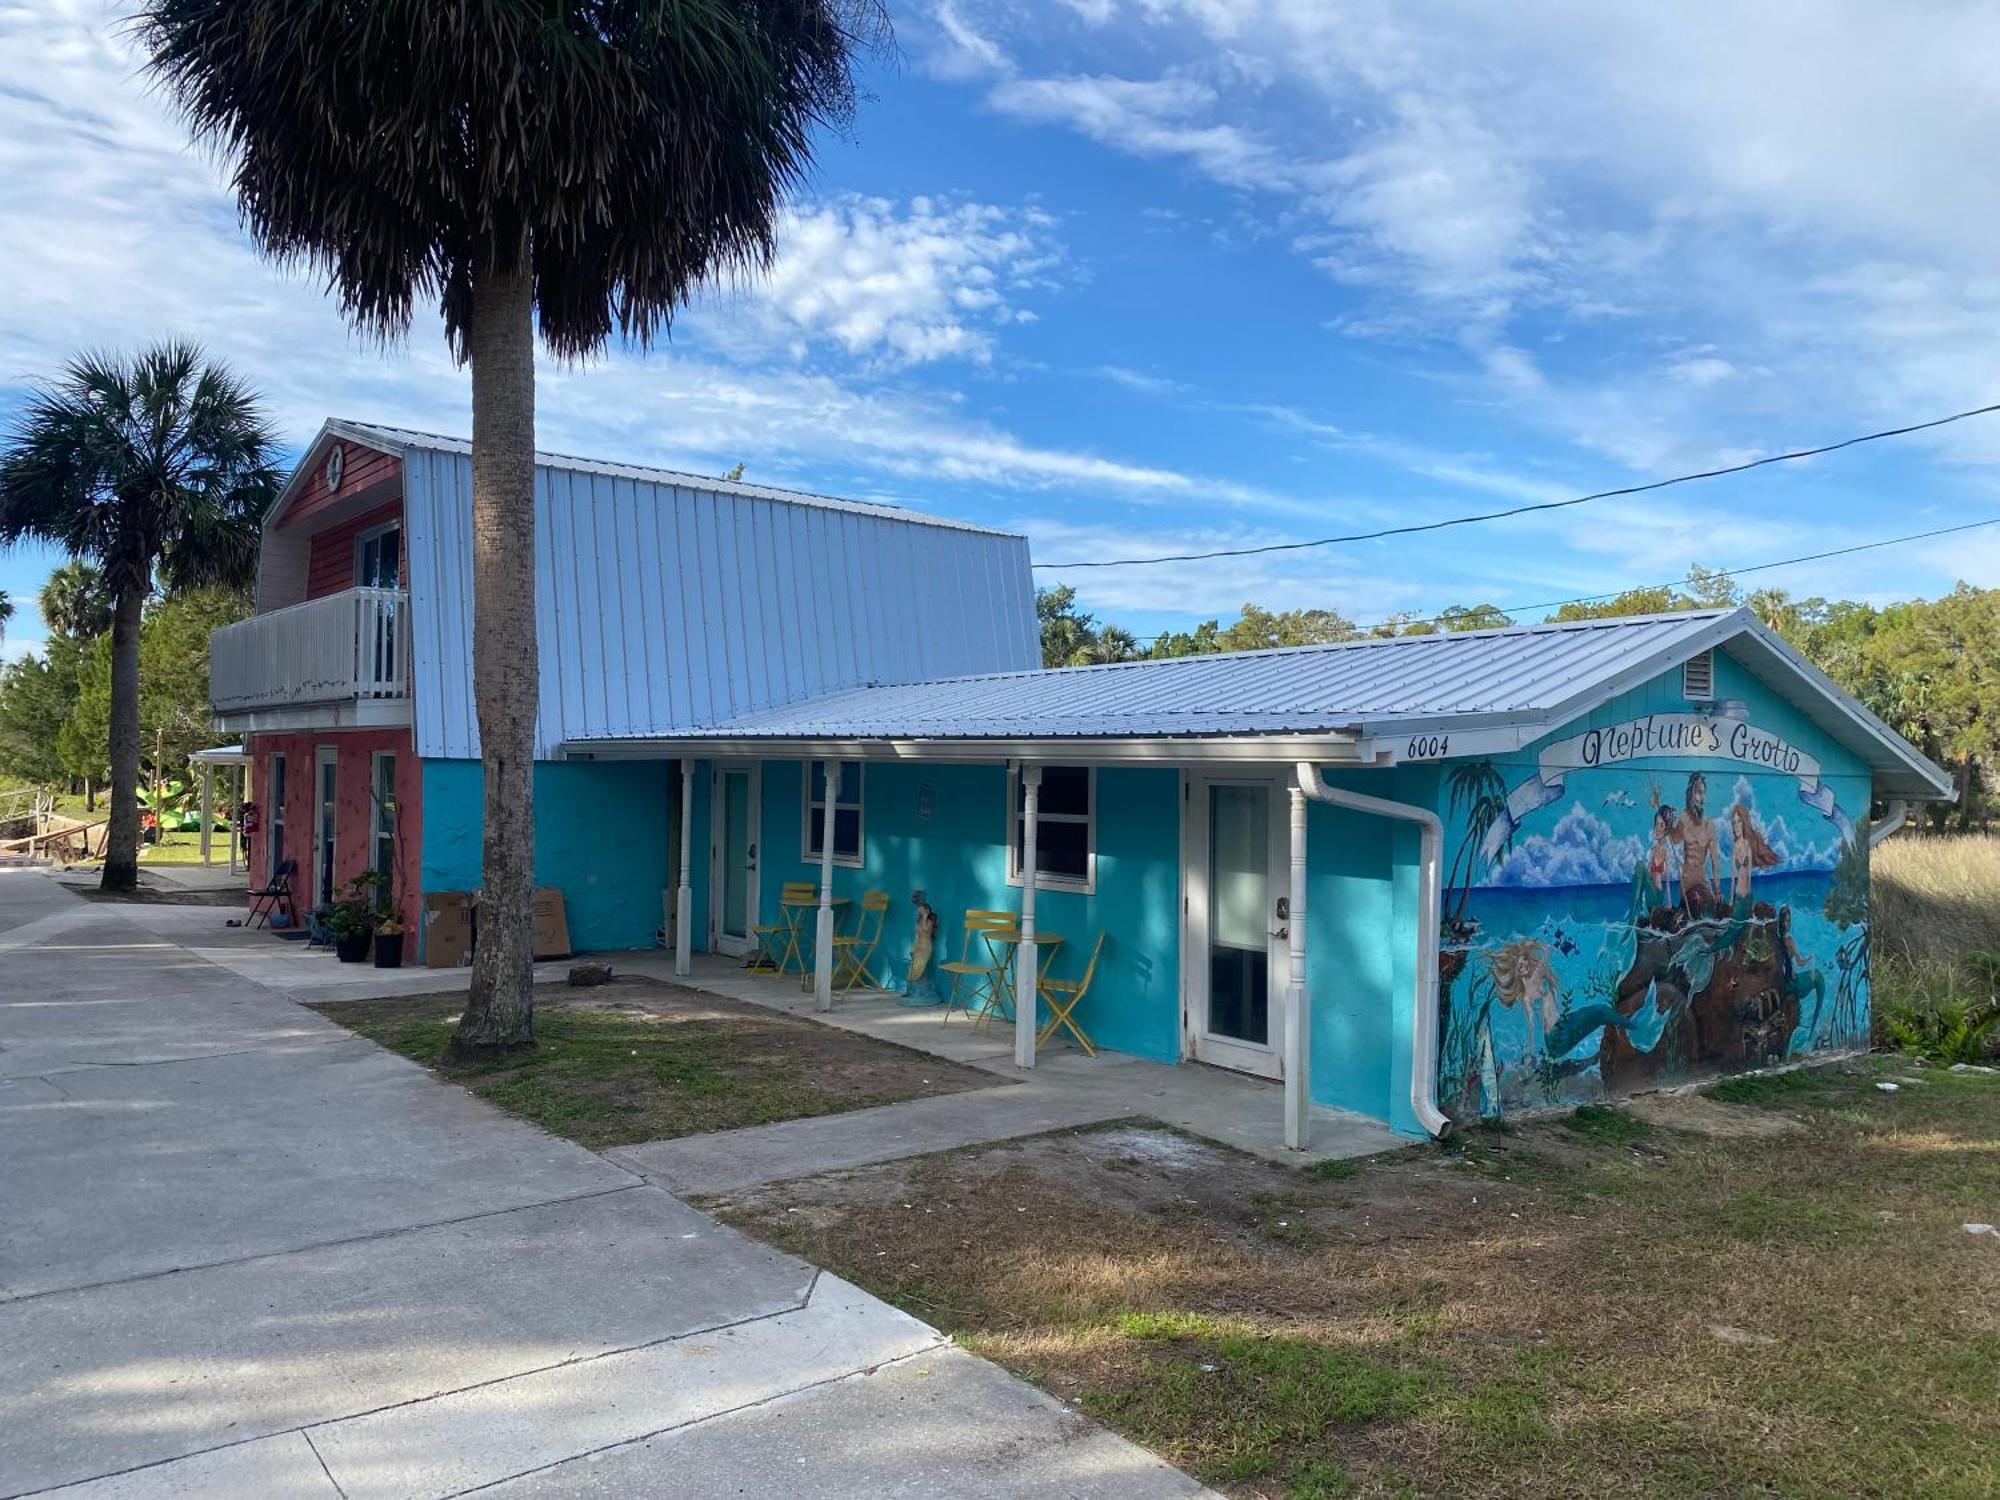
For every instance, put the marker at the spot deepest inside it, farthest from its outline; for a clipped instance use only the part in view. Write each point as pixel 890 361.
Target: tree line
pixel 1929 667
pixel 55 704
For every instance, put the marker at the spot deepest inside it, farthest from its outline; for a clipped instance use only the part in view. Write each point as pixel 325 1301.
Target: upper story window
pixel 1065 827
pixel 378 557
pixel 846 812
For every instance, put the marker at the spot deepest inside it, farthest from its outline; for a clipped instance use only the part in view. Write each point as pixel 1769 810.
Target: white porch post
pixel 1298 1034
pixel 207 808
pixel 1026 953
pixel 236 819
pixel 823 935
pixel 684 896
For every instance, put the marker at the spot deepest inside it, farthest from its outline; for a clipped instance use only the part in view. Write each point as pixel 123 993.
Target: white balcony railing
pixel 335 649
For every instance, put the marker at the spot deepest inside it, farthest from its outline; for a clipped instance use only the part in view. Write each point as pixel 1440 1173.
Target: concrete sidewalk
pixel 246 1254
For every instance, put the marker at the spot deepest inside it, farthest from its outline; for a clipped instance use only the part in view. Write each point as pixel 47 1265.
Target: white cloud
pixel 898 283
pixel 1792 180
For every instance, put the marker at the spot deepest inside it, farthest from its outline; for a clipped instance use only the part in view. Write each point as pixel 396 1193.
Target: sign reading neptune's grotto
pixel 1609 925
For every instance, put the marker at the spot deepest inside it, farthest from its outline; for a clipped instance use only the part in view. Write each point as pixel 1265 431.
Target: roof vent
pixel 1698 677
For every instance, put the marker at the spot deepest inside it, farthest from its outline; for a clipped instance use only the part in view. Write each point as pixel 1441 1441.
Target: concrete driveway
pixel 243 1253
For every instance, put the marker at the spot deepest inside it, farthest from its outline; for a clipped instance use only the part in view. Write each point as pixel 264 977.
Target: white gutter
pixel 1896 812
pixel 1424 1003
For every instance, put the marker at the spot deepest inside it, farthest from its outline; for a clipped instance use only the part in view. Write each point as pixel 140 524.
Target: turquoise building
pixel 1425 879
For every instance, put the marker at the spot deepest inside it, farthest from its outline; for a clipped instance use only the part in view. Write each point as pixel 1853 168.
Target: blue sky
pixel 1150 275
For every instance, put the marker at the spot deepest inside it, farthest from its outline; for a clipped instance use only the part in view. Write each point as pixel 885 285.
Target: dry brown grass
pixel 1591 1306
pixel 1935 899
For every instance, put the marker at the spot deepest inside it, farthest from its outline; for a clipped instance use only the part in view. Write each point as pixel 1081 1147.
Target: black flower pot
pixel 388 950
pixel 353 950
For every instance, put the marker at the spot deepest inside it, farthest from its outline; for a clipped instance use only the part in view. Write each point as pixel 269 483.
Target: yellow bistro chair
pixel 977 972
pixel 854 953
pixel 1062 996
pixel 778 942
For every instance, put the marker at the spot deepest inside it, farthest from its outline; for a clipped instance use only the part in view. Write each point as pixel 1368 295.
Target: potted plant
pixel 350 921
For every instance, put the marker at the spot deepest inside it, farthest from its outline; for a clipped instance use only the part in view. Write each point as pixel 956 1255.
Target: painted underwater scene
pixel 1637 936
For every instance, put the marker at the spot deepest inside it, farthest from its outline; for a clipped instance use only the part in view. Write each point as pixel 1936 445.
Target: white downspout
pixel 1894 815
pixel 1298 1035
pixel 684 896
pixel 1424 1017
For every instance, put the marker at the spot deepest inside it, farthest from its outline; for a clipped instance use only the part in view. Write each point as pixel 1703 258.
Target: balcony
pixel 331 662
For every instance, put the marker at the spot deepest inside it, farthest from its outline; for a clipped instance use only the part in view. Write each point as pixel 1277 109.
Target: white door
pixel 734 795
pixel 1237 871
pixel 326 806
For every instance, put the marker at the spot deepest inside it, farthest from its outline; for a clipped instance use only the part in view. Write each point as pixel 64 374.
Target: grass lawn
pixel 1766 1291
pixel 639 1061
pixel 185 848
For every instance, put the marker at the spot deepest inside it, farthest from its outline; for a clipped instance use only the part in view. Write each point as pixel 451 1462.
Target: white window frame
pixel 375 533
pixel 274 848
pixel 807 852
pixel 376 834
pixel 1046 881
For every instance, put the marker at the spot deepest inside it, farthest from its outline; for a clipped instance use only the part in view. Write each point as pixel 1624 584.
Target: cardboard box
pixel 551 923
pixel 447 929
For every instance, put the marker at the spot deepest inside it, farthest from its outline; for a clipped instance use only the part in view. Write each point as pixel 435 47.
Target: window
pixel 384 786
pixel 378 558
pixel 1065 838
pixel 846 812
pixel 275 840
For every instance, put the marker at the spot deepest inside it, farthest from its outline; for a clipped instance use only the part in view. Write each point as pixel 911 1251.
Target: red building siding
pixel 360 467
pixel 330 568
pixel 354 810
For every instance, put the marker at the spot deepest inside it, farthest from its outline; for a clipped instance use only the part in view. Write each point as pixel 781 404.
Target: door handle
pixel 1282 932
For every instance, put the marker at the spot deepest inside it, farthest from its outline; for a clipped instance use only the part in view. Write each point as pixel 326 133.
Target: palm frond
pixel 623 150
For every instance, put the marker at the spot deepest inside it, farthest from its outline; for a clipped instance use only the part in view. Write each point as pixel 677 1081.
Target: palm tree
pixel 581 164
pixel 73 601
pixel 6 613
pixel 158 470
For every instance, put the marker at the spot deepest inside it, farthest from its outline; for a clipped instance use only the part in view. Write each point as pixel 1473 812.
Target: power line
pixel 1762 567
pixel 1523 510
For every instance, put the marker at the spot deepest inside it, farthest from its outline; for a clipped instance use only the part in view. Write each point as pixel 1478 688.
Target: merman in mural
pixel 1701 846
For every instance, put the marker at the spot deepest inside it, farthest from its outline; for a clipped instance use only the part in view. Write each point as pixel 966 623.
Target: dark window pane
pixel 1066 789
pixel 815 821
pixel 847 832
pixel 1063 849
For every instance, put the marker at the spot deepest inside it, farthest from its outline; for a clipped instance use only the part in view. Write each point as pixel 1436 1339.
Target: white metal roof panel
pixel 1536 677
pixel 666 603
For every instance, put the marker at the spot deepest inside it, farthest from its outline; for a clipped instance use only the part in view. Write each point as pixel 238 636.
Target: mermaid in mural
pixel 1523 974
pixel 1799 977
pixel 1653 881
pixel 1748 851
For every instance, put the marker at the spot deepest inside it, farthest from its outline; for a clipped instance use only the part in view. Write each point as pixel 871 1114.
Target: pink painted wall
pixel 330 565
pixel 354 809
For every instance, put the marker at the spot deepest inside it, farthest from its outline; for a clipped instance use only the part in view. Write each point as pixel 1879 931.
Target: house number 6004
pixel 1428 747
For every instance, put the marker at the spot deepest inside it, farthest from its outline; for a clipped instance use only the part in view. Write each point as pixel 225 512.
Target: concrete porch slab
pixel 1232 1108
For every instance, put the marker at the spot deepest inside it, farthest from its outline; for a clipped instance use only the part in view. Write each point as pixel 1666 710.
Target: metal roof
pixel 1534 678
pixel 399 440
pixel 663 605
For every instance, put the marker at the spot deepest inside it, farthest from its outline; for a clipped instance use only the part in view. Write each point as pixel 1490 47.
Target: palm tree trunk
pixel 121 835
pixel 499 1015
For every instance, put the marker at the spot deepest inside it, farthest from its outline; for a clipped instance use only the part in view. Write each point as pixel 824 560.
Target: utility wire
pixel 1523 510
pixel 1721 573
pixel 1762 567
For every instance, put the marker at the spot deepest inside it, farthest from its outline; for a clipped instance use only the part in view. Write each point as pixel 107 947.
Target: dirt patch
pixel 1700 1115
pixel 1597 1304
pixel 639 1060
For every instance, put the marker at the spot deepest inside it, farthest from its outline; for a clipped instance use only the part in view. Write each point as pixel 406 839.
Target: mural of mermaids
pixel 1611 925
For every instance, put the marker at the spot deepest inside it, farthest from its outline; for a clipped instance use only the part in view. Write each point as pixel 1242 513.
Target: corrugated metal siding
pixel 1310 689
pixel 664 607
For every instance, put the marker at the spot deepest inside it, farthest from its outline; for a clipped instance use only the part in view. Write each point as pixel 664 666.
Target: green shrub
pixel 1948 1012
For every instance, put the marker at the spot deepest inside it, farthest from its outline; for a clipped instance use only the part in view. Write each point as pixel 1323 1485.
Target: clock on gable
pixel 336 460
